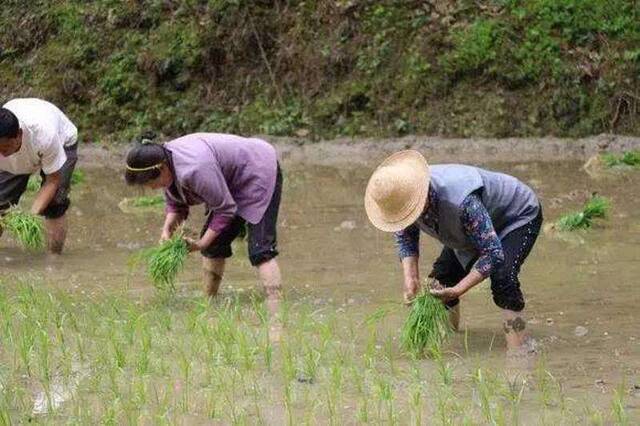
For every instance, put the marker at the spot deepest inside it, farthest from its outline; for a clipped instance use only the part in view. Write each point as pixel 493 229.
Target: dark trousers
pixel 505 284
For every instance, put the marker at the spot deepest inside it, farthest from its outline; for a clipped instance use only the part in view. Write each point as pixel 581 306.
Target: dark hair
pixel 143 156
pixel 9 124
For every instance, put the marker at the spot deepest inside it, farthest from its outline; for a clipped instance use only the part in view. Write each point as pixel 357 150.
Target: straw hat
pixel 397 191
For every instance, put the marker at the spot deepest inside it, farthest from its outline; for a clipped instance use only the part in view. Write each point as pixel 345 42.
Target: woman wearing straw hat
pixel 487 222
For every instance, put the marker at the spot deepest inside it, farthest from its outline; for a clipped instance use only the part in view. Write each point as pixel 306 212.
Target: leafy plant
pixel 427 327
pixel 596 208
pixel 628 158
pixel 474 47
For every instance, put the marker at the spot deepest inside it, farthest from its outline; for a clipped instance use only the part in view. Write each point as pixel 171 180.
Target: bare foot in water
pixel 521 361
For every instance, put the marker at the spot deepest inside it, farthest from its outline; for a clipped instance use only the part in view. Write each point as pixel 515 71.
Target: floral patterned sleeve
pixel 479 228
pixel 408 241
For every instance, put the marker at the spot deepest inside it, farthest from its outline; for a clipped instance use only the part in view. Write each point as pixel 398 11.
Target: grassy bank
pixel 324 69
pixel 114 359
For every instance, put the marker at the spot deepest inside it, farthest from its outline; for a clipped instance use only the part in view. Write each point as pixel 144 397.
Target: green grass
pixel 147 201
pixel 628 158
pixel 165 261
pixel 25 228
pixel 596 208
pixel 427 327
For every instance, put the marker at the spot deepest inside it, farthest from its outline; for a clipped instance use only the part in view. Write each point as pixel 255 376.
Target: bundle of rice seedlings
pixel 165 261
pixel 427 327
pixel 597 207
pixel 631 158
pixel 25 228
pixel 147 201
pixel 628 158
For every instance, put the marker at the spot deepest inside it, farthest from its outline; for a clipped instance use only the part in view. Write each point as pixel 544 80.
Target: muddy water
pixel 333 258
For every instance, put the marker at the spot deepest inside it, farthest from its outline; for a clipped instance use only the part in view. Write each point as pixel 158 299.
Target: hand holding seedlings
pixel 165 261
pixel 166 235
pixel 427 326
pixel 192 244
pixel 445 294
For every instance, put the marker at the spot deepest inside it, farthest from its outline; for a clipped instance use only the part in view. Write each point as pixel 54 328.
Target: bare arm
pixel 46 193
pixel 171 222
pixel 446 294
pixel 411 272
pixel 205 241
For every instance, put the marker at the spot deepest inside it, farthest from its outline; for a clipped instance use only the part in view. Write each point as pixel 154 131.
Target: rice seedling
pixel 485 388
pixel 186 368
pixel 25 228
pixel 445 370
pixel 165 261
pixel 363 410
pixel 596 208
pixel 311 364
pixel 427 326
pixel 618 407
pixel 147 201
pixel 385 399
pixel 593 415
pixel 172 361
pixel 416 403
pixel 514 392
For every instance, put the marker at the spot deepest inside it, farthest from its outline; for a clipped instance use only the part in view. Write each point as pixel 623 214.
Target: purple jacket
pixel 231 175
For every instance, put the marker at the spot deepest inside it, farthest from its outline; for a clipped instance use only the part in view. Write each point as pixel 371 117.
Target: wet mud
pixel 581 293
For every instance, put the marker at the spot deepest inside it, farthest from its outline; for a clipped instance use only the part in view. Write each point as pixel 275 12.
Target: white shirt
pixel 46 131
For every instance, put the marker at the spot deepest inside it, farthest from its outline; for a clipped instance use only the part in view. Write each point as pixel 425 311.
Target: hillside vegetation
pixel 328 68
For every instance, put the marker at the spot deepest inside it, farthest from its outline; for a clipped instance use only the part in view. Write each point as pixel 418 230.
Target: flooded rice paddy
pixel 86 339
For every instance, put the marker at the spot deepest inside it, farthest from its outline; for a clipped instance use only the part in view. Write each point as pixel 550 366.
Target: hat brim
pixel 420 170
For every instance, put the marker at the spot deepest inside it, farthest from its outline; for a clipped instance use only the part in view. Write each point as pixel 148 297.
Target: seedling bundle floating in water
pixel 147 201
pixel 427 327
pixel 142 204
pixel 629 158
pixel 25 228
pixel 596 208
pixel 165 261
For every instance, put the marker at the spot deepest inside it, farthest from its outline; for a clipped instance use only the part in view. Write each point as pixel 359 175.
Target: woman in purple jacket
pixel 239 181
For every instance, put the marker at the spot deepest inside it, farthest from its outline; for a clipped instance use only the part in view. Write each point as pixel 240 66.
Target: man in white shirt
pixel 35 136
